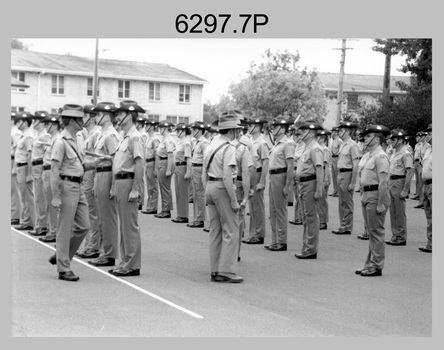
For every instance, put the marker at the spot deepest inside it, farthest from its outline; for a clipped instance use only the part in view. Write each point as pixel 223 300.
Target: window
pixel 155 117
pixel 20 76
pixel 154 91
pixel 54 110
pixel 58 85
pixel 90 87
pixel 172 119
pixel 184 93
pixel 17 109
pixel 352 101
pixel 124 89
pixel 185 120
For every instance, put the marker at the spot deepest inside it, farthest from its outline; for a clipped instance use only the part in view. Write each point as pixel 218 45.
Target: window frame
pixel 156 92
pixel 16 75
pixel 183 93
pixel 58 84
pixel 92 87
pixel 123 90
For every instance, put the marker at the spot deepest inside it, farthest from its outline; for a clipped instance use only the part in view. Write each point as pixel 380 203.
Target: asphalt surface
pixel 280 297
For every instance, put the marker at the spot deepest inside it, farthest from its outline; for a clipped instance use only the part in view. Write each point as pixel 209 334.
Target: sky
pixel 223 61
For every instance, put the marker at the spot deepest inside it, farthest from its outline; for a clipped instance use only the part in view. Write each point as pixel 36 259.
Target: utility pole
pixel 387 68
pixel 96 76
pixel 341 81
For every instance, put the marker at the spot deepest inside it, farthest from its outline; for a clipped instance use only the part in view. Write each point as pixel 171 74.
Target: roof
pixel 31 61
pixel 18 84
pixel 361 82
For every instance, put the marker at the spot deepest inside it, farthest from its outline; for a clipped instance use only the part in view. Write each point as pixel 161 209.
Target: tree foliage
pixel 278 87
pixel 17 44
pixel 411 111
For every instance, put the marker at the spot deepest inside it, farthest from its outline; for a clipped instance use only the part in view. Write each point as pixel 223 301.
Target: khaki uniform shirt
pixel 24 146
pixel 182 151
pixel 418 147
pixel 63 151
pixel 38 149
pixel 400 161
pixel 90 140
pixel 15 136
pixel 224 157
pixel 243 157
pixel 106 144
pixel 427 164
pixel 165 146
pixel 48 149
pixel 151 146
pixel 199 150
pixel 280 152
pixel 372 164
pixel 260 150
pixel 348 151
pixel 311 157
pixel 128 150
pixel 335 146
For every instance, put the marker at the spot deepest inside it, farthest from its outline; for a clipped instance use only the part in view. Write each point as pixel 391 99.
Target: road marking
pixel 191 313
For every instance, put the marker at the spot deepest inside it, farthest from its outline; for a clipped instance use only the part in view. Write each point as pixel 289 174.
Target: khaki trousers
pixel 310 206
pixel 73 223
pixel 181 189
pixel 224 229
pixel 130 241
pixel 257 211
pixel 107 216
pixel 26 195
pixel 398 219
pixel 94 235
pixel 375 226
pixel 278 209
pixel 152 189
pixel 15 198
pixel 298 215
pixel 346 204
pixel 323 206
pixel 52 214
pixel 334 173
pixel 427 202
pixel 198 194
pixel 40 204
pixel 164 186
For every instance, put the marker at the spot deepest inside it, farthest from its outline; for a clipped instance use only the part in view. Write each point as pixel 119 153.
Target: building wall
pixel 34 99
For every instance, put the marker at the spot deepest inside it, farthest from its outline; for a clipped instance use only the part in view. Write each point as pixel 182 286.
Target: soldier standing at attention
pixel 375 200
pixel 424 146
pixel 15 198
pixel 300 147
pixel 52 125
pixel 164 163
pixel 152 189
pixel 127 179
pixel 38 149
pixel 348 169
pixel 106 145
pixel 220 192
pixel 198 130
pixel 322 140
pixel 335 145
pixel 91 244
pixel 310 175
pixel 24 171
pixel 140 126
pixel 67 170
pixel 416 157
pixel 426 174
pixel 401 172
pixel 281 178
pixel 182 172
pixel 260 171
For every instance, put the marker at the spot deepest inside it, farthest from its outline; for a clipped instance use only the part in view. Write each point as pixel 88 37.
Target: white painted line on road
pixel 191 313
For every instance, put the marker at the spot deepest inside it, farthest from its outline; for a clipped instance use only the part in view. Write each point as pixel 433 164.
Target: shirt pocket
pixel 370 164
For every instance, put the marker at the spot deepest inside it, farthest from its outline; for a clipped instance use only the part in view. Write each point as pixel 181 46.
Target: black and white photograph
pixel 216 182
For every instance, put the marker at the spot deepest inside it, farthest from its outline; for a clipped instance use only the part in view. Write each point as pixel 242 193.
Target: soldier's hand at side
pixel 317 194
pixel 243 204
pixel 380 208
pixel 56 203
pixel 286 191
pixel 250 193
pixel 168 173
pixel 112 193
pixel 260 186
pixel 351 187
pixel 29 179
pixel 186 176
pixel 403 194
pixel 235 206
pixel 133 196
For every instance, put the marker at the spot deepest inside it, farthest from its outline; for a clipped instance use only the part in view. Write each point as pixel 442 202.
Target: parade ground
pixel 281 296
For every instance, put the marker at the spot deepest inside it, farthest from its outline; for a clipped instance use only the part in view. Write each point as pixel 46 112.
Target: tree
pixel 279 87
pixel 17 44
pixel 209 113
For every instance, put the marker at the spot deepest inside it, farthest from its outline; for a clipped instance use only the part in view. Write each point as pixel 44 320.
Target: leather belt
pixel 427 182
pixel 395 177
pixel 239 178
pixel 180 163
pixel 12 157
pixel 46 166
pixel 20 164
pixel 307 178
pixel 196 164
pixel 370 188
pixel 417 160
pixel 210 178
pixel 278 171
pixel 344 170
pixel 335 155
pixel 259 170
pixel 163 158
pixel 37 162
pixel 101 169
pixel 123 176
pixel 76 179
pixel 150 160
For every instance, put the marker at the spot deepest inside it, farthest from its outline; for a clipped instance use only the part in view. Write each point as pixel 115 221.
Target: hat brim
pixel 72 114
